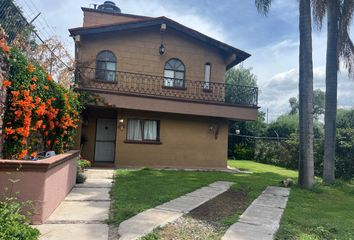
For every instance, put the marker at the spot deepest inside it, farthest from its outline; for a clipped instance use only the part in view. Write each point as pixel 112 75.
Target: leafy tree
pixel 235 79
pixel 306 162
pixel 318 104
pixel 339 46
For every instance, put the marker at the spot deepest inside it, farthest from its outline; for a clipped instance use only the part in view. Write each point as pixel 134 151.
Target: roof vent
pixel 109 6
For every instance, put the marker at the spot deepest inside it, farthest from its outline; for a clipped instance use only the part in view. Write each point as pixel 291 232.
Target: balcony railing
pixel 152 85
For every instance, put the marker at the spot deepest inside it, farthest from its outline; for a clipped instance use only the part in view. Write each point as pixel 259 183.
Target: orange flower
pixel 15 94
pixel 38 100
pixel 39 124
pixel 23 154
pixel 51 125
pixel 44 127
pixel 9 131
pixel 45 133
pixel 49 77
pixel 30 68
pixel 32 87
pixel 34 79
pixel 49 102
pixel 41 110
pixel 20 131
pixel 48 142
pixel 46 87
pixel 34 154
pixel 6 83
pixel 24 142
pixel 17 114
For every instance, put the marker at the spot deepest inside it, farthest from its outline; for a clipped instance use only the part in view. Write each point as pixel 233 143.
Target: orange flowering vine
pixel 6 83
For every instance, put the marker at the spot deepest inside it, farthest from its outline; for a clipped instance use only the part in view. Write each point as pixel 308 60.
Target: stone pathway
pixel 144 222
pixel 261 219
pixel 82 215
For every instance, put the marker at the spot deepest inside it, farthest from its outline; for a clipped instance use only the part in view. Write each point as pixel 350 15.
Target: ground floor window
pixel 143 130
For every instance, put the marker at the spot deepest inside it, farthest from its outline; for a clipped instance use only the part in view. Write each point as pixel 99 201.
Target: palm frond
pixel 319 9
pixel 345 44
pixel 263 6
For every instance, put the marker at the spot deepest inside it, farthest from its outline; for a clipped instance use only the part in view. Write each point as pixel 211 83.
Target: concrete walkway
pixel 144 222
pixel 261 219
pixel 82 215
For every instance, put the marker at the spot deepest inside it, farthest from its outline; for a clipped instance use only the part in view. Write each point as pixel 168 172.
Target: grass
pixel 323 213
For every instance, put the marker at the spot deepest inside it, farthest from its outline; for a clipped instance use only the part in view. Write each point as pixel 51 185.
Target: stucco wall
pixel 186 142
pixel 138 51
pixel 96 18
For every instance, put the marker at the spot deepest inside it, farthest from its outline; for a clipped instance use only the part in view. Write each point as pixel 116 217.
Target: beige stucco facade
pixel 185 141
pixel 193 133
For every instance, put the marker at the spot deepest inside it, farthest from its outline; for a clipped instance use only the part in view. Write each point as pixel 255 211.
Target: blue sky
pixel 272 40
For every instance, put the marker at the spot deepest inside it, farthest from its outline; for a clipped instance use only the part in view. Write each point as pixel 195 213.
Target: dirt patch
pixel 204 222
pixel 223 206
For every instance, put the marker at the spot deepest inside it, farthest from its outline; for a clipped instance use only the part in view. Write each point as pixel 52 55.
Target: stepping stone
pixel 73 231
pixel 245 231
pixel 221 184
pixel 145 222
pixel 209 192
pixel 259 215
pixel 270 200
pixel 88 194
pixel 95 183
pixel 80 211
pixel 279 191
pixel 261 219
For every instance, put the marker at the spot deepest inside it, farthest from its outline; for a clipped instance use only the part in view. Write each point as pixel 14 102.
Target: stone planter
pixel 45 182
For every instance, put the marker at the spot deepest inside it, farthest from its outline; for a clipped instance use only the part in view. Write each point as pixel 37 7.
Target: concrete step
pixel 95 183
pixel 73 231
pixel 88 194
pixel 85 211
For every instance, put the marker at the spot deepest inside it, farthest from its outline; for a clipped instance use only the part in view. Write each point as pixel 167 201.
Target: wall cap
pixel 39 165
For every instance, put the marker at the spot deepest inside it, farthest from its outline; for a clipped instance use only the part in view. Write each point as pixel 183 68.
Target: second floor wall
pixel 138 51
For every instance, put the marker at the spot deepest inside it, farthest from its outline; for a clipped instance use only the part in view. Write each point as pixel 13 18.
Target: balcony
pixel 128 83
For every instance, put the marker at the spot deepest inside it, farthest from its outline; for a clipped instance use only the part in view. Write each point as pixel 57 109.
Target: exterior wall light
pixel 237 131
pixel 162 49
pixel 121 125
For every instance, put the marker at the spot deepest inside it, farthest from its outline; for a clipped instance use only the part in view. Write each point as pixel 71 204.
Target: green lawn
pixel 324 213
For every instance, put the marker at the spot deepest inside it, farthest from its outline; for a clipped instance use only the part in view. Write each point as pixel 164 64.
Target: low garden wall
pixel 44 182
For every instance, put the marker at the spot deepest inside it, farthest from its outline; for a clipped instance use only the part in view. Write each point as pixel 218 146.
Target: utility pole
pixel 267 115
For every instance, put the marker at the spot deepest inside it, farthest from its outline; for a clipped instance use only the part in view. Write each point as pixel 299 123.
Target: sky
pixel 272 40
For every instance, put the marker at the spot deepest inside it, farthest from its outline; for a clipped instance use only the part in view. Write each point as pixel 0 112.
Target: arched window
pixel 174 72
pixel 106 66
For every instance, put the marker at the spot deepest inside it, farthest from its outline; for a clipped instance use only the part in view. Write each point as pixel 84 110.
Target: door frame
pixel 115 142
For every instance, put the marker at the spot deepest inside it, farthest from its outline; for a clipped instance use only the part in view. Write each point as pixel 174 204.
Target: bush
pixel 13 225
pixel 81 165
pixel 80 177
pixel 242 151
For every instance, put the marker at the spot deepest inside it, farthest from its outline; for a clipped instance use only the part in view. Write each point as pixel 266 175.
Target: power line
pixel 37 35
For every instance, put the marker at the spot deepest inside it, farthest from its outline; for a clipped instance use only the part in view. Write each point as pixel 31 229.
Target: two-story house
pixel 162 87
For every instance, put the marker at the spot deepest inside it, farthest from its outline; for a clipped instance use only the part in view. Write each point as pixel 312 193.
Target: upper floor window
pixel 106 66
pixel 174 73
pixel 207 74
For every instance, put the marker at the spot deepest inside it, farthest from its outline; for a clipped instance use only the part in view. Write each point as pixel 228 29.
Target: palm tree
pixel 306 164
pixel 339 45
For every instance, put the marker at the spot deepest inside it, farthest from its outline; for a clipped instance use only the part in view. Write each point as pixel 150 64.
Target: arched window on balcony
pixel 106 66
pixel 174 72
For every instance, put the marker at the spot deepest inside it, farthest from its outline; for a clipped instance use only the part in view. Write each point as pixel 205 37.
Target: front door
pixel 105 140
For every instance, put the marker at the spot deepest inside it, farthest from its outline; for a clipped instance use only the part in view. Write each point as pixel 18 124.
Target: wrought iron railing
pixel 152 85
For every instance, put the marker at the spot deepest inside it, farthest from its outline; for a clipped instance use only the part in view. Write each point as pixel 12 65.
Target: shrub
pixel 14 225
pixel 40 114
pixel 83 164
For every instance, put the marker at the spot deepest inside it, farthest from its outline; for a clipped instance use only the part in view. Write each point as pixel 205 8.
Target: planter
pixel 45 182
